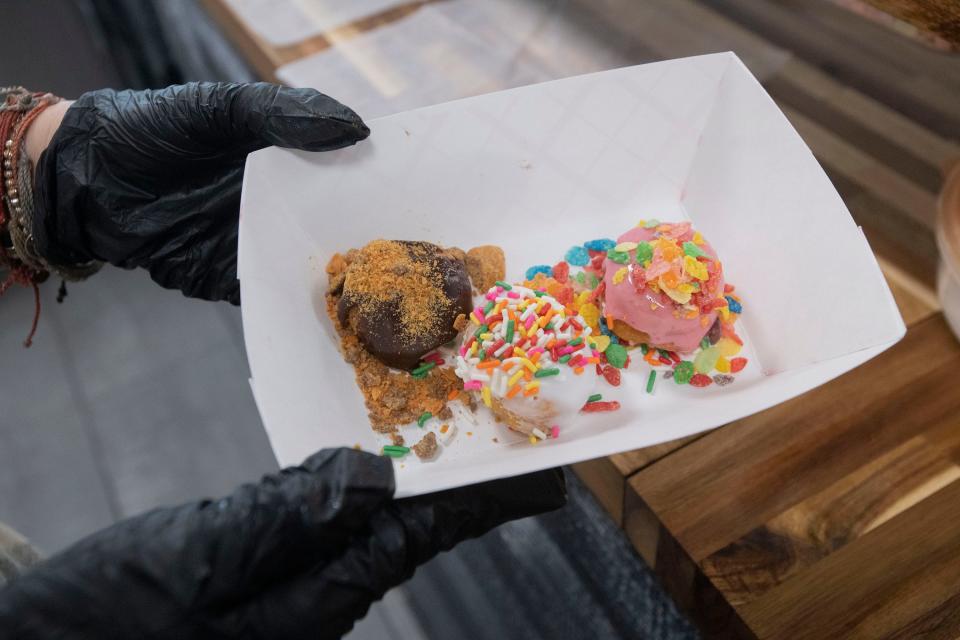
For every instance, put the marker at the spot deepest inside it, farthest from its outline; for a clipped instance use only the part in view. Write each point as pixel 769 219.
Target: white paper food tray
pixel 536 170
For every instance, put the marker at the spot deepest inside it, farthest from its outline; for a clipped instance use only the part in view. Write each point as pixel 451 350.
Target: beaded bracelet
pixel 19 256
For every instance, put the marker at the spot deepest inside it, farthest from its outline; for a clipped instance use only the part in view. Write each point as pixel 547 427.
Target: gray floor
pixel 131 397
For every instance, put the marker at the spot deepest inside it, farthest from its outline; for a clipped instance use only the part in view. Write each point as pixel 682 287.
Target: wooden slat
pixel 936 22
pixel 900 130
pixel 756 505
pixel 266 58
pixel 918 82
pixel 865 170
pixel 898 581
pixel 721 487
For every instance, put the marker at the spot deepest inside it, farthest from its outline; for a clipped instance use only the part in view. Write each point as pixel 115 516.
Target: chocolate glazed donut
pixel 380 324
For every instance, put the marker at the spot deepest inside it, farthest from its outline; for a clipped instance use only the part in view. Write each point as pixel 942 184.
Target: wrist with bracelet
pixel 19 257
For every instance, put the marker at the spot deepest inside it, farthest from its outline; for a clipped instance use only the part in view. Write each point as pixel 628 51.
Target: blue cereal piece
pixel 733 305
pixel 545 269
pixel 602 244
pixel 577 256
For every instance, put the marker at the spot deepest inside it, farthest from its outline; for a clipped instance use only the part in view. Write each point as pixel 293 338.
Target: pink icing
pixel 623 302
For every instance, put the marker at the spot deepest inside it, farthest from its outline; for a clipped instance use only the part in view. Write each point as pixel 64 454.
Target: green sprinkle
pixel 395 452
pixel 543 373
pixel 664 353
pixel 423 368
pixel 565 359
pixel 487 307
pixel 616 355
pixel 539 294
pixel 426 415
pixel 574 342
pixel 644 348
pixel 644 252
pixel 506 285
pixel 596 397
pixel 581 277
pixel 650 380
pixel 693 250
pixel 651 223
pixel 509 337
pixel 705 343
pixel 683 372
pixel 396 447
pixel 620 257
pixel 481 330
pixel 419 376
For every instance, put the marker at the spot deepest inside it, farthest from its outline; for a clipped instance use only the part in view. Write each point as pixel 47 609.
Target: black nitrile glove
pixel 152 178
pixel 302 554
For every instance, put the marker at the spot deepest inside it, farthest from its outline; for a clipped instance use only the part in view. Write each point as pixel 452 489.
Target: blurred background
pixel 134 397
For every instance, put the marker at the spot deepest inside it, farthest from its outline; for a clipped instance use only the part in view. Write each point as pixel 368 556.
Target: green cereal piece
pixel 683 372
pixel 620 257
pixel 616 355
pixel 693 250
pixel 644 252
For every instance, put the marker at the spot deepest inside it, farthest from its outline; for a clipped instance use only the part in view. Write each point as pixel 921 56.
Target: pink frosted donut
pixel 664 286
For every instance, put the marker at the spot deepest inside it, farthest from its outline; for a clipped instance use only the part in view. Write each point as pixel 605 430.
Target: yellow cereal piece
pixel 724 313
pixel 676 295
pixel 723 365
pixel 728 348
pixel 601 342
pixel 620 275
pixel 697 238
pixel 641 223
pixel 695 268
pixel 626 246
pixel 686 287
pixel 591 314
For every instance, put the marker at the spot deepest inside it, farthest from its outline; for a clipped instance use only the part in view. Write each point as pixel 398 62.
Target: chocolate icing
pixel 379 325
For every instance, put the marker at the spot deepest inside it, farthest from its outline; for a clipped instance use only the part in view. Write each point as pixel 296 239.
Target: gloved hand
pixel 302 554
pixel 152 178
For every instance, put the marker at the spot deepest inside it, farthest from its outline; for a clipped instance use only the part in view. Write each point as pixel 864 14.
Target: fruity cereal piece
pixel 701 380
pixel 683 372
pixel 612 375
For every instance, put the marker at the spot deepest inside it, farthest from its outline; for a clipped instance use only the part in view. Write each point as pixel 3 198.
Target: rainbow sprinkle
pixel 525 340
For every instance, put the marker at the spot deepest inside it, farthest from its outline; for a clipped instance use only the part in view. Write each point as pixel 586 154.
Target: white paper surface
pixel 536 170
pixel 284 22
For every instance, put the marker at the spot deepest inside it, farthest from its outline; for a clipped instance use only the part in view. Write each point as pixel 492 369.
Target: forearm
pixel 41 131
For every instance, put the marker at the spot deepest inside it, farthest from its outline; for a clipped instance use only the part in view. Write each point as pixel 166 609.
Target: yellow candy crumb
pixel 686 287
pixel 723 365
pixel 620 275
pixel 591 314
pixel 695 268
pixel 626 246
pixel 533 440
pixel 601 342
pixel 724 313
pixel 697 238
pixel 728 348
